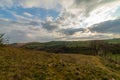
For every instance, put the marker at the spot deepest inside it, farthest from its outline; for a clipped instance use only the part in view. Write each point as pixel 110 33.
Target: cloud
pixel 33 23
pixel 47 4
pixel 6 3
pixel 19 36
pixel 78 20
pixel 71 31
pixel 27 31
pixel 90 5
pixel 111 26
pixel 27 14
pixel 86 5
pixel 49 24
pixel 85 13
pixel 83 36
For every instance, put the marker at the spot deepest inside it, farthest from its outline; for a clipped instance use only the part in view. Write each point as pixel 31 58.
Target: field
pixel 115 57
pixel 21 64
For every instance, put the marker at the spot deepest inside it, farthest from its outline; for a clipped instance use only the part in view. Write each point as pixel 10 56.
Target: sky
pixel 59 20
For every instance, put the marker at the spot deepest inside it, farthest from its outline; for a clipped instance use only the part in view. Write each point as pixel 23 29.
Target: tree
pixel 94 45
pixel 99 47
pixel 3 40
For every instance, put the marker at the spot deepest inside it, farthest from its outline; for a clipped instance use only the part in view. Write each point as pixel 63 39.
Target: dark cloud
pixel 111 26
pixel 71 31
pixel 49 26
pixel 33 23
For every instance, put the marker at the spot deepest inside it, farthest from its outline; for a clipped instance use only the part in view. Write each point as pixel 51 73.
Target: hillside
pixel 83 47
pixel 67 43
pixel 20 64
pixel 114 41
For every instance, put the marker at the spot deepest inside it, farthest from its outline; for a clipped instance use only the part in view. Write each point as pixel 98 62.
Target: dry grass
pixel 19 64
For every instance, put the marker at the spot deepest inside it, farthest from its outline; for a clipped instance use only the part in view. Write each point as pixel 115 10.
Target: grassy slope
pixel 19 64
pixel 56 43
pixel 114 41
pixel 34 45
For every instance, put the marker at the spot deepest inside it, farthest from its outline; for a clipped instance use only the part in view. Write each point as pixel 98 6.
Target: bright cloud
pixel 27 14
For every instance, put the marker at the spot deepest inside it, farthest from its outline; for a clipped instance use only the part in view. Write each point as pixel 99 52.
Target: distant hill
pixel 67 43
pixel 18 44
pixel 21 64
pixel 114 41
pixel 63 46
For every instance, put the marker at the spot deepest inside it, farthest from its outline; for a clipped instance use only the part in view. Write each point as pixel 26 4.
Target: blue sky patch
pixel 36 12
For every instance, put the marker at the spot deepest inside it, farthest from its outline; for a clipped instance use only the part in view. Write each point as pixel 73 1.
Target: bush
pixel 3 40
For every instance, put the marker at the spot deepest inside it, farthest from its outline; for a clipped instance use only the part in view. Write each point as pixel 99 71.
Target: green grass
pixel 68 43
pixel 20 64
pixel 57 43
pixel 114 41
pixel 115 57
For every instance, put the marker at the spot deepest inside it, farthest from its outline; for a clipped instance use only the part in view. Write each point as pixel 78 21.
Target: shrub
pixel 3 40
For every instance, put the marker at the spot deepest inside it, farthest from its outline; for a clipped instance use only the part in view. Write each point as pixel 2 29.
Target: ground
pixel 21 64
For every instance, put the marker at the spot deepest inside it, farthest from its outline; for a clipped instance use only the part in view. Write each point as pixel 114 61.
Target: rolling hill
pixel 21 64
pixel 68 46
pixel 62 43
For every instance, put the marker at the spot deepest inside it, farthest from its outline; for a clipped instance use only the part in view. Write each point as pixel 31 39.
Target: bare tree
pixel 99 47
pixel 94 46
pixel 3 40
